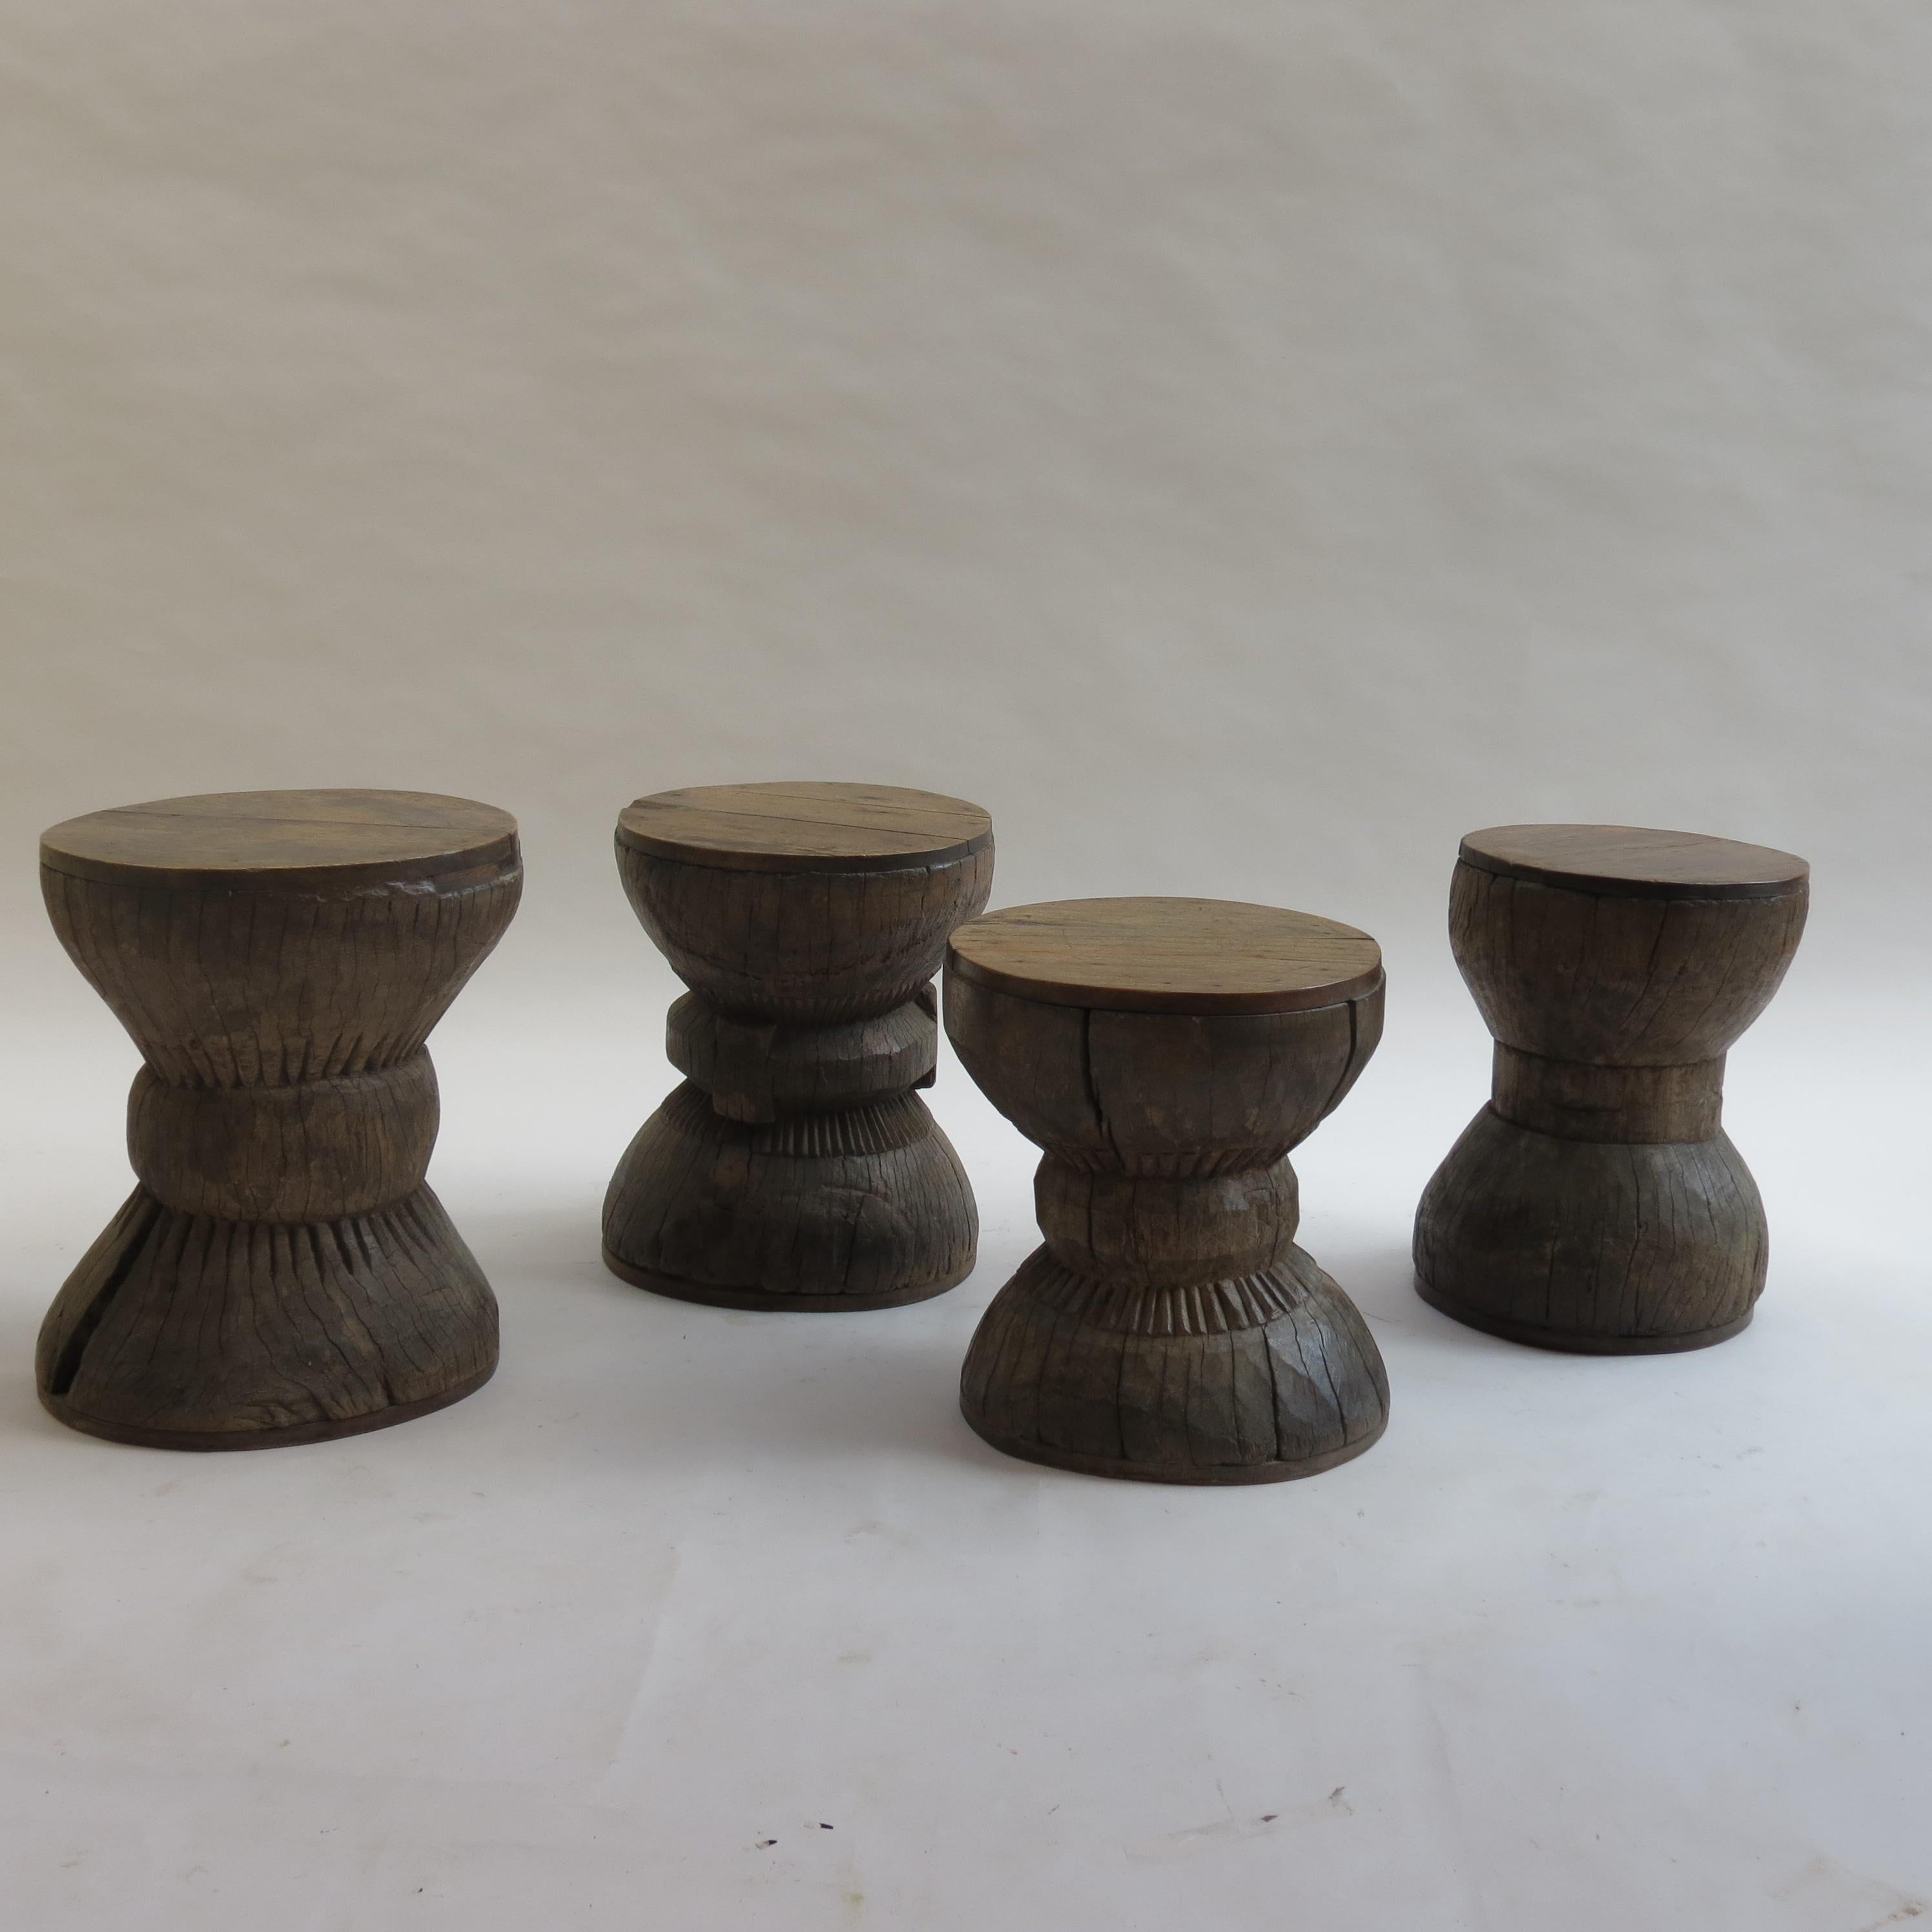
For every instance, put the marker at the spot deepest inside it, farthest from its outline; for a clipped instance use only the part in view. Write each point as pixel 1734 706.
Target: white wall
pixel 1244 446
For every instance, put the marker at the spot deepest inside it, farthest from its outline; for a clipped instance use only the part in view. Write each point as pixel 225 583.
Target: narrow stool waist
pixel 314 1150
pixel 759 1071
pixel 1575 1101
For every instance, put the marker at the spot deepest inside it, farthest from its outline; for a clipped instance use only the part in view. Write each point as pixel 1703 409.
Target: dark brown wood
pixel 795 1168
pixel 281 1274
pixel 1634 861
pixel 1169 955
pixel 1596 1204
pixel 805 826
pixel 1168 1330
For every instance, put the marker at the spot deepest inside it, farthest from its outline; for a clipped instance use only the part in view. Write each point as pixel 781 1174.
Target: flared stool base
pixel 322 1430
pixel 1261 1378
pixel 1226 1476
pixel 712 1295
pixel 1561 1342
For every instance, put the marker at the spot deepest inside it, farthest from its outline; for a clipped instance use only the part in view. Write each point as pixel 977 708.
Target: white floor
pixel 694 1619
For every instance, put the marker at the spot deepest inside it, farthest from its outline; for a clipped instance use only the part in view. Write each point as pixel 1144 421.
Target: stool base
pixel 1561 1343
pixel 774 1300
pixel 182 1331
pixel 1258 1379
pixel 865 1206
pixel 324 1429
pixel 1226 1476
pixel 1592 1247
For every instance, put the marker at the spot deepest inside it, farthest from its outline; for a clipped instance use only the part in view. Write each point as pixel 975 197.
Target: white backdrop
pixel 1243 448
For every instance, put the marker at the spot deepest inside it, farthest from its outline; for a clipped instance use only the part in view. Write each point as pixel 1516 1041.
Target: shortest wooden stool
pixel 1167 1054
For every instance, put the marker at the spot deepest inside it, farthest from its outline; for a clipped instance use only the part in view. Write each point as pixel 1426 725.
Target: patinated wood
pixel 282 1273
pixel 1166 1055
pixel 1596 1204
pixel 795 1167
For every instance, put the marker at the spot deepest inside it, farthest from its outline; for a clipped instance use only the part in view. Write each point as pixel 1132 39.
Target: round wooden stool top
pixel 1168 955
pixel 805 826
pixel 293 839
pixel 1635 862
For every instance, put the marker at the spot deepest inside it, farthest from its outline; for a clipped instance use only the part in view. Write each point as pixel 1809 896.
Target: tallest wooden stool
pixel 281 1274
pixel 1596 1204
pixel 795 1168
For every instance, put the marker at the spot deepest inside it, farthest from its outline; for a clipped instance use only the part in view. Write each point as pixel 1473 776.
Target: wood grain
pixel 796 1168
pixel 1636 861
pixel 1173 956
pixel 1596 1204
pixel 1169 1329
pixel 282 1274
pixel 288 838
pixel 804 826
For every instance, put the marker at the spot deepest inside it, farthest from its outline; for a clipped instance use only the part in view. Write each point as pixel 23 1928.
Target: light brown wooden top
pixel 1161 956
pixel 1633 861
pixel 805 826
pixel 281 838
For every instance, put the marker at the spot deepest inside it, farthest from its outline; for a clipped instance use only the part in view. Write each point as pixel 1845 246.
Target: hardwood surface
pixel 796 1168
pixel 1596 1204
pixel 1168 1330
pixel 1177 956
pixel 282 1274
pixel 804 826
pixel 1635 860
pixel 285 837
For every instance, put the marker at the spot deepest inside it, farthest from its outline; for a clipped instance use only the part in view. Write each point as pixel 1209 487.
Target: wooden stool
pixel 281 1274
pixel 1167 1054
pixel 795 1168
pixel 1595 1203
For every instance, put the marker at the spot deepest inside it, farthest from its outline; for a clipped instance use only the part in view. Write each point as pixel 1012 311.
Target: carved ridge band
pixel 1169 1231
pixel 1576 1101
pixel 313 1150
pixel 758 1071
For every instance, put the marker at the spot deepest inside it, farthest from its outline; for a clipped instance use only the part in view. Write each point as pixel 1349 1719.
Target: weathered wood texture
pixel 1596 1204
pixel 281 1274
pixel 795 1168
pixel 1169 1330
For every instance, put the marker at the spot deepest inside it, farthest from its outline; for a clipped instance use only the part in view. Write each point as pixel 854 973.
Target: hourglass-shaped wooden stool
pixel 795 1168
pixel 1596 1204
pixel 281 1274
pixel 1166 1055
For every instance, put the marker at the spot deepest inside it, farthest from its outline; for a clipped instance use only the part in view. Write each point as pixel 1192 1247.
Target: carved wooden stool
pixel 795 1168
pixel 281 1274
pixel 1596 1204
pixel 1167 1054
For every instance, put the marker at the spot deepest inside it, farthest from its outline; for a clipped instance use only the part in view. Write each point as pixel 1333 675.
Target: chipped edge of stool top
pixel 805 826
pixel 281 838
pixel 1199 957
pixel 1635 862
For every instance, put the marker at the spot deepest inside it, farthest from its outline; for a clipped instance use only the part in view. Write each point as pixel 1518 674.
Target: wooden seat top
pixel 281 838
pixel 805 826
pixel 1634 862
pixel 1163 955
